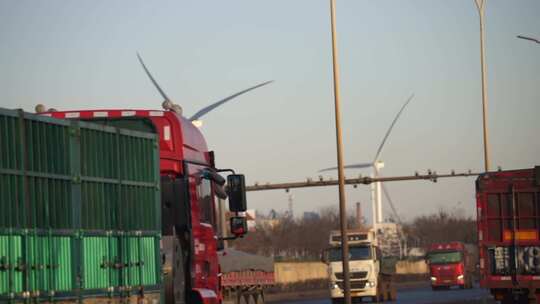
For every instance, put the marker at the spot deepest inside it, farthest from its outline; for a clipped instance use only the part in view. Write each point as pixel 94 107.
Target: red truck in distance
pixel 508 206
pixel 451 264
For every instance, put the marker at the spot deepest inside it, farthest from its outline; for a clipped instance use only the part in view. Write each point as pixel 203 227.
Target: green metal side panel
pixel 80 207
pixel 138 261
pixel 49 202
pixel 61 257
pixel 99 205
pixel 10 158
pixel 11 281
pixel 47 149
pixel 100 256
pixel 138 211
pixel 150 268
pixel 49 262
pixel 11 201
pixel 141 260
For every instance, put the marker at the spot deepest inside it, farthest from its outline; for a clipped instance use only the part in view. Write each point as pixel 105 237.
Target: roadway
pixel 421 295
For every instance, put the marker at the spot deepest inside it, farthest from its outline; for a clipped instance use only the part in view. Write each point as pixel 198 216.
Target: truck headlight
pixel 433 279
pixel 460 277
pixel 334 286
pixel 370 284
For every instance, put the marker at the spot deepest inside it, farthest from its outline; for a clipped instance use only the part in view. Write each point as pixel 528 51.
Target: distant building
pixel 269 222
pixel 308 215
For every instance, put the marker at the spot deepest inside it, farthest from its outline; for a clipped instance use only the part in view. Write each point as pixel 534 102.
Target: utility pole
pixel 341 175
pixel 480 5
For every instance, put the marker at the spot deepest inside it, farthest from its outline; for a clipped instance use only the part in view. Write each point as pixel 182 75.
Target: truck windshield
pixel 444 257
pixel 355 253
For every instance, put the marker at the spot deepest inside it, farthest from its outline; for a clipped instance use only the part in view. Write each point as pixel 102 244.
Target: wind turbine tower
pixel 291 205
pixel 377 203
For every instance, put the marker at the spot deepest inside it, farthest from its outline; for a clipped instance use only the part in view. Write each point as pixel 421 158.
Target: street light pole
pixel 480 5
pixel 341 175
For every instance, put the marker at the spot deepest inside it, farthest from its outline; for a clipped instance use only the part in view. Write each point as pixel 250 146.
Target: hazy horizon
pixel 81 55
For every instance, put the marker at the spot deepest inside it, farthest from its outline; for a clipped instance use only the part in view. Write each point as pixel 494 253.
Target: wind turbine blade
pixel 528 38
pixel 387 195
pixel 353 166
pixel 209 108
pixel 391 127
pixel 152 79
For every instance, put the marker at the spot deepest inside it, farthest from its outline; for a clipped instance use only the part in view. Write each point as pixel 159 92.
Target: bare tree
pixel 290 238
pixel 443 226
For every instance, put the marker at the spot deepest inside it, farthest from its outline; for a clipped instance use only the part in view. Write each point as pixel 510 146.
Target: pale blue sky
pixel 81 54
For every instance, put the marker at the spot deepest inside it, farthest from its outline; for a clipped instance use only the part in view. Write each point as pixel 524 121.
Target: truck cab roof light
pixel 73 115
pixel 101 114
pixel 128 113
pixel 155 113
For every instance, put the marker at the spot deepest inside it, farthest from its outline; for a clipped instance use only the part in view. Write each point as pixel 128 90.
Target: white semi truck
pixel 370 274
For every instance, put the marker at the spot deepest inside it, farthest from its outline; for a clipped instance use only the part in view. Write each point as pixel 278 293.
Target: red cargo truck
pixel 189 183
pixel 451 264
pixel 508 205
pixel 245 276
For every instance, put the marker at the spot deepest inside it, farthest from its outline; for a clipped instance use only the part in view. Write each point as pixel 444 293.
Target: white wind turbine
pixel 195 118
pixel 377 164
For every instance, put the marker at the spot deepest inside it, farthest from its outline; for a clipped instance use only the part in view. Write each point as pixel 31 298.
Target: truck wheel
pixel 242 298
pixel 514 299
pixel 393 294
pixel 258 298
pixel 173 268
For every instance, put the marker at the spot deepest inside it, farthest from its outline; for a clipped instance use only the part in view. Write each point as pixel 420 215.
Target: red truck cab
pixel 449 265
pixel 189 184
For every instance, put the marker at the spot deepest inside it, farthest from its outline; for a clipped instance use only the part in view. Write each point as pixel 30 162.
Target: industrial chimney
pixel 358 215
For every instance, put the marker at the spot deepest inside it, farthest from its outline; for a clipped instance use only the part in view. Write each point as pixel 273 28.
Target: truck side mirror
pixel 238 226
pixel 236 188
pixel 213 176
pixel 220 192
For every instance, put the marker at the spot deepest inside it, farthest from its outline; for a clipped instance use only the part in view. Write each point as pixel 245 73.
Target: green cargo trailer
pixel 80 215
